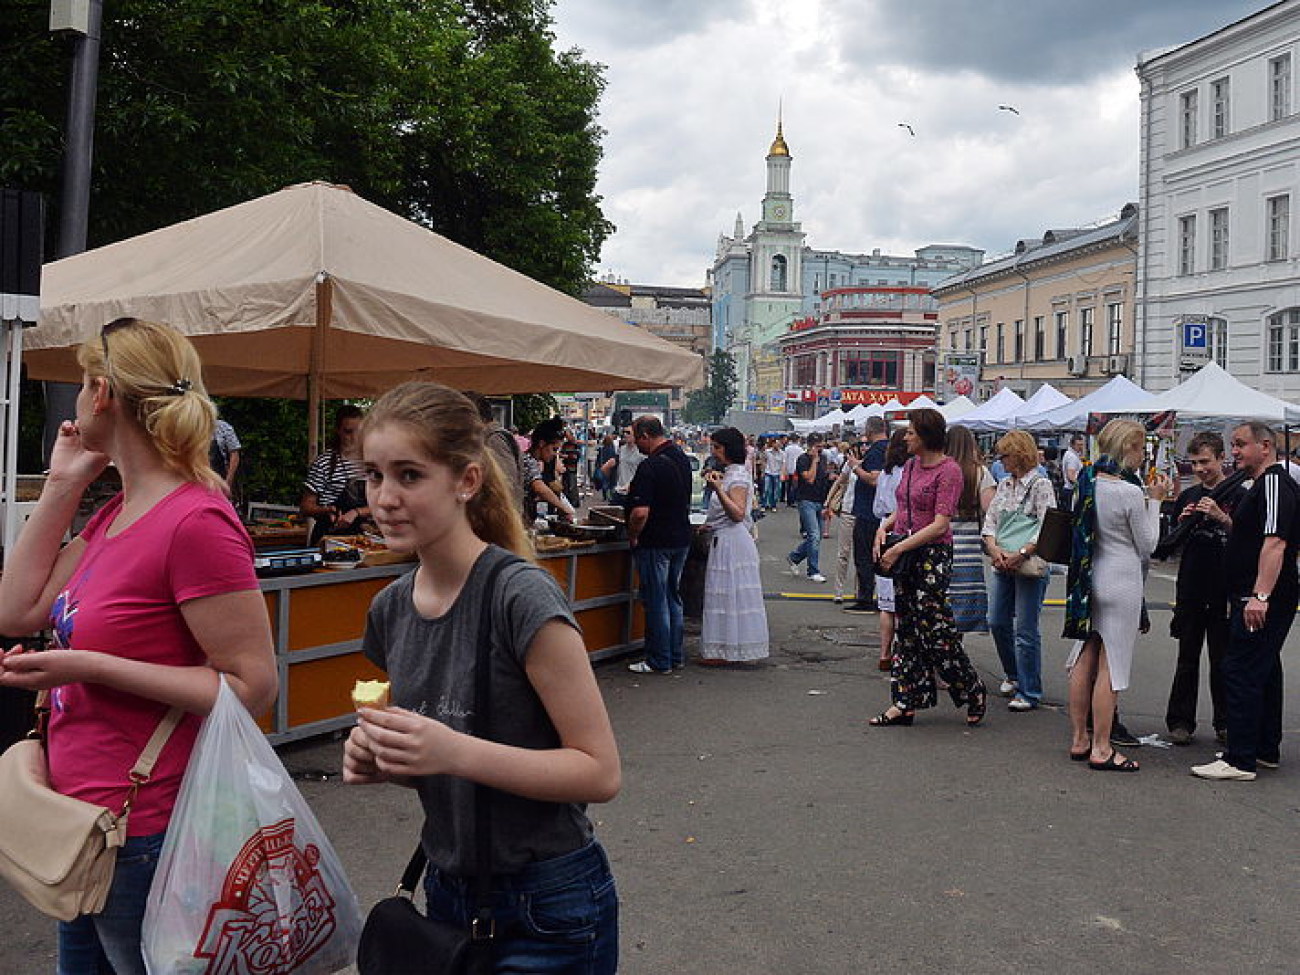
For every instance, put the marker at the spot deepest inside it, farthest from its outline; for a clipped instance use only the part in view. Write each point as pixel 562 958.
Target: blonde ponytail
pixel 157 374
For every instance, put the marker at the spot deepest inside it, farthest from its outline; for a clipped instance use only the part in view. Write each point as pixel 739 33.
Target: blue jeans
pixel 110 941
pixel 559 915
pixel 1015 602
pixel 660 570
pixel 771 490
pixel 810 526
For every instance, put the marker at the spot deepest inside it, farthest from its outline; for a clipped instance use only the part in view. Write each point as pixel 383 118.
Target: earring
pixel 462 497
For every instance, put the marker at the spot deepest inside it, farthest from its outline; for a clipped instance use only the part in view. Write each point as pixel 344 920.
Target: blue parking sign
pixel 1196 334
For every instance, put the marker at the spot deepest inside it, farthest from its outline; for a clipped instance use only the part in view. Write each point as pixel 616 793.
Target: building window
pixel 1219 239
pixel 1219 341
pixel 1062 324
pixel 805 370
pixel 1219 95
pixel 1085 330
pixel 1039 339
pixel 1114 327
pixel 778 273
pixel 834 279
pixel 1279 228
pixel 984 338
pixel 1001 349
pixel 1019 341
pixel 1186 245
pixel 1187 103
pixel 858 368
pixel 969 339
pixel 1279 87
pixel 1284 341
pixel 817 283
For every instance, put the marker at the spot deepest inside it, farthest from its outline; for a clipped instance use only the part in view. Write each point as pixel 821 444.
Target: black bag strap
pixel 482 928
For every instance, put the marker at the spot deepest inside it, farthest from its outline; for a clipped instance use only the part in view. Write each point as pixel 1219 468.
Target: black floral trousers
pixel 926 640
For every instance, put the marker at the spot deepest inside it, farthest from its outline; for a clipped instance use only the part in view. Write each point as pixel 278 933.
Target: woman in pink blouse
pixel 926 640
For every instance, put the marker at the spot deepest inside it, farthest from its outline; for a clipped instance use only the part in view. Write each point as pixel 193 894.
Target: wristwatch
pixel 1261 596
pixel 1024 551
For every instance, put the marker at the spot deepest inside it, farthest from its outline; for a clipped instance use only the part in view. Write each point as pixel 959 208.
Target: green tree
pixel 458 114
pixel 709 403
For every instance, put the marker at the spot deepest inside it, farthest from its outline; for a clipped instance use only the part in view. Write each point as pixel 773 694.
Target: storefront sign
pixel 865 397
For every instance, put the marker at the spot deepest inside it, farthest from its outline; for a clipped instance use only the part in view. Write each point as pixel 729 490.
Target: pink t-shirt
pixel 124 598
pixel 930 491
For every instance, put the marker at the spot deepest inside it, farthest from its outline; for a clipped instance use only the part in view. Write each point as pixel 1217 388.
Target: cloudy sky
pixel 694 85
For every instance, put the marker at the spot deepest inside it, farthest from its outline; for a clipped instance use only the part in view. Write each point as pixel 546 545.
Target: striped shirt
pixel 329 474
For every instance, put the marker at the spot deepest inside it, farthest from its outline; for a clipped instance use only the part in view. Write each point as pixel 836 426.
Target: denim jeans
pixel 660 570
pixel 771 490
pixel 810 526
pixel 559 915
pixel 110 941
pixel 1015 602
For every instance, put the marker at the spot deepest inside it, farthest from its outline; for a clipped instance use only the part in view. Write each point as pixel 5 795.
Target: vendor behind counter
pixel 334 493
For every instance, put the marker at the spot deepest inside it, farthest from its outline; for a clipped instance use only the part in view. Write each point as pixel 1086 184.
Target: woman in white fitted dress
pixel 1115 529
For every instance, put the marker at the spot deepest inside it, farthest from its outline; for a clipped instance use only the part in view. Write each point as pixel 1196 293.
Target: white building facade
pixel 1218 271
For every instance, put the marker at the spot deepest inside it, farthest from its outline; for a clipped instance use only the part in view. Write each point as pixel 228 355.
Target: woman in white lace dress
pixel 735 619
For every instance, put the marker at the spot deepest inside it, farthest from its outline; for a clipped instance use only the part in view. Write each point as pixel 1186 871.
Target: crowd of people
pixel 156 601
pixel 944 541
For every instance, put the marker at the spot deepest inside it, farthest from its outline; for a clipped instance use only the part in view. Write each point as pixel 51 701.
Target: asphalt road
pixel 764 828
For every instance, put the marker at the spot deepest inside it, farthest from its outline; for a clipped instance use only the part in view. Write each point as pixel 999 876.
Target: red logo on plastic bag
pixel 275 911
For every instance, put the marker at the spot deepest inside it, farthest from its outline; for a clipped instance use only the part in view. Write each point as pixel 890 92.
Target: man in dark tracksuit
pixel 1263 589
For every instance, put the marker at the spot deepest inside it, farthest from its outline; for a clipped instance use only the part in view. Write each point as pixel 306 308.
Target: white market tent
pixel 828 422
pixel 958 407
pixel 1046 397
pixel 1074 415
pixel 922 402
pixel 1212 393
pixel 1001 404
pixel 862 411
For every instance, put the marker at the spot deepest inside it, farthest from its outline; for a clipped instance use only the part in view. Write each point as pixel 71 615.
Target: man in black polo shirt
pixel 814 483
pixel 1260 561
pixel 659 531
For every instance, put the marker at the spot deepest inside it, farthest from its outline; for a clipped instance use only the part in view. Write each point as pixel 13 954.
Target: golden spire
pixel 779 148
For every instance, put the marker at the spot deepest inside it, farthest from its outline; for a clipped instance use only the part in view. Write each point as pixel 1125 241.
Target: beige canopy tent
pixel 313 292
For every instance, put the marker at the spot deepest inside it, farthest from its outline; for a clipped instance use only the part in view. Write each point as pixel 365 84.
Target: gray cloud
pixel 615 24
pixel 1034 41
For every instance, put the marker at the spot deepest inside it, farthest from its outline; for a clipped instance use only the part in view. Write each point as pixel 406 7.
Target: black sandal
pixel 884 720
pixel 1110 765
pixel 976 709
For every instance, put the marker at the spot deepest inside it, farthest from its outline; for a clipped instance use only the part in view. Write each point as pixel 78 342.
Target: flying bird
pixel 904 125
pixel 1008 108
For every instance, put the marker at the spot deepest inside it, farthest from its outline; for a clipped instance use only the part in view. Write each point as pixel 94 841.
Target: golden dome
pixel 779 148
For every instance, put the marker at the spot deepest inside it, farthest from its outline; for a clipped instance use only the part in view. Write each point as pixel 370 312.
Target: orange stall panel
pixel 323 615
pixel 322 689
pixel 601 574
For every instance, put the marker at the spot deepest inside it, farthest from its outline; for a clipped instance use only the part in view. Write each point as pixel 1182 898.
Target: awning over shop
pixel 315 292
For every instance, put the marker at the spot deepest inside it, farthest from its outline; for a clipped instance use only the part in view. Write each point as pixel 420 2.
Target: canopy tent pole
pixel 316 370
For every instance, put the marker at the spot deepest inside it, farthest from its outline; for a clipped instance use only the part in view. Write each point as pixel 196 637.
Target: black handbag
pixel 905 562
pixel 1055 537
pixel 397 939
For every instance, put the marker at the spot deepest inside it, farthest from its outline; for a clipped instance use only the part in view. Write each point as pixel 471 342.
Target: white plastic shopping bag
pixel 247 881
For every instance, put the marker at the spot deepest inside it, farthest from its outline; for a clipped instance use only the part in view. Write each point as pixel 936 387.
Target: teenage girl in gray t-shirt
pixel 434 491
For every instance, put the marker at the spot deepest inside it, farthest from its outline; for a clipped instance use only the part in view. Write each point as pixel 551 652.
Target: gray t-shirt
pixel 430 663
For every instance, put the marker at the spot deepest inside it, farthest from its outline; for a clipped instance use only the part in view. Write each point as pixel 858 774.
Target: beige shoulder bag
pixel 57 851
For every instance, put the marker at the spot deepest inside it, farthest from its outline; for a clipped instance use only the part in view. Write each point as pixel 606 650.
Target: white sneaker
pixel 794 567
pixel 816 577
pixel 1008 687
pixel 641 667
pixel 1221 771
pixel 1261 762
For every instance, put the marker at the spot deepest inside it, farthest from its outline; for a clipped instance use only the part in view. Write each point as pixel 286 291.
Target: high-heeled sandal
pixel 884 720
pixel 976 709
